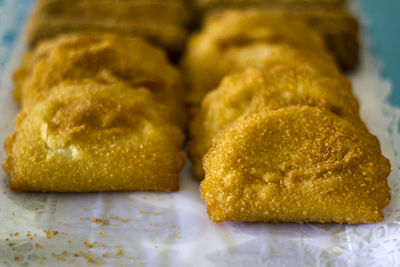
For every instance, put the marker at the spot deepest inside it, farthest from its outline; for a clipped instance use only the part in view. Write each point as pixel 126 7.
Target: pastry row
pixel 100 112
pixel 276 133
pixel 337 27
pixel 162 22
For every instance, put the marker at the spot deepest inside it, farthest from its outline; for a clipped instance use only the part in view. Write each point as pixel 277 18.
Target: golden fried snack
pixel 235 41
pixel 106 58
pixel 164 11
pixel 298 164
pixel 257 90
pixel 94 137
pixel 212 4
pixel 337 27
pixel 156 21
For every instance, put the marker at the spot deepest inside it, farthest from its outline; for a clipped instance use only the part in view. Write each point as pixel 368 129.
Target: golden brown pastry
pixel 103 57
pixel 336 26
pixel 257 90
pixel 298 164
pixel 212 4
pixel 163 11
pixel 235 41
pixel 160 22
pixel 93 137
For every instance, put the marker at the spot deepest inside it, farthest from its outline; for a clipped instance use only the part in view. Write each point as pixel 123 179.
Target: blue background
pixel 383 29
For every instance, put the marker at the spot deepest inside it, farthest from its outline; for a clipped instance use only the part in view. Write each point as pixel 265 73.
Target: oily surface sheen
pixel 298 164
pixel 94 137
pixel 257 90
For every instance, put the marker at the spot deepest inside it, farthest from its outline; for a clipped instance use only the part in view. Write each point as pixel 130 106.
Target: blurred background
pixel 383 28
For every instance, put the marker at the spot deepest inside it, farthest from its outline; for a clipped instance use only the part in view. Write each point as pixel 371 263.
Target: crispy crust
pixel 94 137
pixel 235 41
pixel 256 90
pixel 212 4
pixel 103 57
pixel 166 28
pixel 337 27
pixel 298 164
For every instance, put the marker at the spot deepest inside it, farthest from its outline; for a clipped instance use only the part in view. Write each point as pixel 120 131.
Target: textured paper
pixel 172 229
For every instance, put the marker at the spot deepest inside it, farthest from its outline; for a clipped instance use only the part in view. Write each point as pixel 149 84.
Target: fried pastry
pixel 337 28
pixel 93 137
pixel 103 57
pixel 108 17
pixel 164 11
pixel 236 41
pixel 212 4
pixel 297 164
pixel 257 90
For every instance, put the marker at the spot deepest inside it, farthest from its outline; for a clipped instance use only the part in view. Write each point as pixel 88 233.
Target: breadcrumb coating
pixel 209 4
pixel 256 90
pixel 163 23
pixel 103 57
pixel 93 137
pixel 296 164
pixel 234 41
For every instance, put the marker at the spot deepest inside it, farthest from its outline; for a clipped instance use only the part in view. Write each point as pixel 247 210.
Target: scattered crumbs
pixel 16 258
pixel 103 245
pixel 102 234
pixel 141 211
pixel 122 220
pixel 152 224
pixel 37 245
pixel 98 220
pixel 108 239
pixel 137 220
pixel 7 239
pixel 119 252
pixel 119 245
pixel 65 253
pixel 69 241
pixel 11 244
pixel 88 244
pixel 106 255
pixel 78 253
pixel 177 237
pixel 155 213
